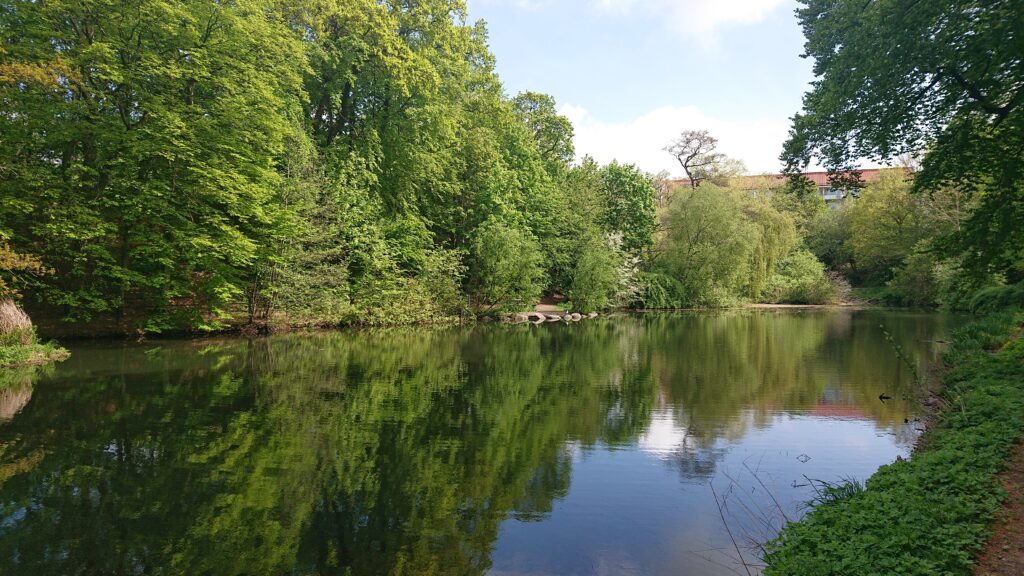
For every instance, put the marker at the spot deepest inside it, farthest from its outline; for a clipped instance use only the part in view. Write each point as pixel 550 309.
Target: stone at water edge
pixel 576 316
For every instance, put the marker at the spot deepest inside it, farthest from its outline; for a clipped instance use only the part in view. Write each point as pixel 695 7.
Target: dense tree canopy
pixel 139 143
pixel 182 165
pixel 941 77
pixel 173 161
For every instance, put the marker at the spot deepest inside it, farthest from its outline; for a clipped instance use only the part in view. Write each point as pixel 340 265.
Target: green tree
pixel 149 153
pixel 551 131
pixel 629 196
pixel 938 77
pixel 776 237
pixel 708 245
pixel 828 237
pixel 507 271
pixel 799 197
pixel 596 278
pixel 886 221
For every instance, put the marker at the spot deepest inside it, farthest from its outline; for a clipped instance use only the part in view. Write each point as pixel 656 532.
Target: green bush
pixel 658 291
pixel 22 347
pixel 595 279
pixel 432 296
pixel 800 279
pixel 996 298
pixel 508 272
pixel 913 282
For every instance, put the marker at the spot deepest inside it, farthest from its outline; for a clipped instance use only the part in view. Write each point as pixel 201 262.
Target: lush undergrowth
pixel 931 514
pixel 23 350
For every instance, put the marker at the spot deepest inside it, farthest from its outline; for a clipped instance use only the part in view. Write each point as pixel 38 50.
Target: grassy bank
pixel 18 354
pixel 930 514
pixel 19 344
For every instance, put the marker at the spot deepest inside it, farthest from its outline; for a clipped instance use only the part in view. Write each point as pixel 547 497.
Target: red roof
pixel 867 175
pixel 821 178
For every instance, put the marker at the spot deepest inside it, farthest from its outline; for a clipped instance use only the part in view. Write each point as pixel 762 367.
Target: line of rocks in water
pixel 541 317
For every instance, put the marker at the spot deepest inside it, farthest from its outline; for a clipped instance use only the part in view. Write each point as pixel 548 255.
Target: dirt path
pixel 1004 553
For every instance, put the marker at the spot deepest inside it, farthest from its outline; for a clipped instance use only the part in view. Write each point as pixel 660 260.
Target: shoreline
pixel 284 327
pixel 932 513
pixel 37 355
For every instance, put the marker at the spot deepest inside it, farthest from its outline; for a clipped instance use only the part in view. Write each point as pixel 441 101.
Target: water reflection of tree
pixel 378 452
pixel 715 368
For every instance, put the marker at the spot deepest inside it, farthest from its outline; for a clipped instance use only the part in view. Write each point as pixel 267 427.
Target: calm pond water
pixel 589 448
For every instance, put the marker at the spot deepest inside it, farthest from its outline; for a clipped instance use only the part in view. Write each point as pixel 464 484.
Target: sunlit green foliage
pixel 596 280
pixel 629 194
pixel 892 244
pixel 143 159
pixel 16 269
pixel 776 237
pixel 507 267
pixel 799 197
pixel 708 244
pixel 187 164
pixel 886 221
pixel 938 78
pixel 800 279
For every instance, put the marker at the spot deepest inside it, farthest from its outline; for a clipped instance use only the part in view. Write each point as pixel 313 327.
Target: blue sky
pixel 631 74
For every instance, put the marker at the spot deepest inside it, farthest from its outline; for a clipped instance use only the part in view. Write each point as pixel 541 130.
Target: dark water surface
pixel 559 449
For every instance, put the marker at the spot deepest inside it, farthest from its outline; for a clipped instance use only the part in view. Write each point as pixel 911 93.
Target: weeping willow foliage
pixel 776 237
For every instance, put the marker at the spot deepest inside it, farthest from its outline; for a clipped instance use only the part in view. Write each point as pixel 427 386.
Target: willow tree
pixel 944 77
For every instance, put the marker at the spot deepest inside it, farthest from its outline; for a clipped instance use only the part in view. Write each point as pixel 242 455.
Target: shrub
pixel 18 343
pixel 595 280
pixel 996 298
pixel 508 272
pixel 800 279
pixel 657 290
pixel 913 282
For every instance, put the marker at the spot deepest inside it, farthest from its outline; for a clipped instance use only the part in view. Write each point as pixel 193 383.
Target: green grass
pixel 17 349
pixel 929 515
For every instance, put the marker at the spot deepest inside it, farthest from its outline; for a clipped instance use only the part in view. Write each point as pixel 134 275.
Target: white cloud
pixel 641 140
pixel 700 20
